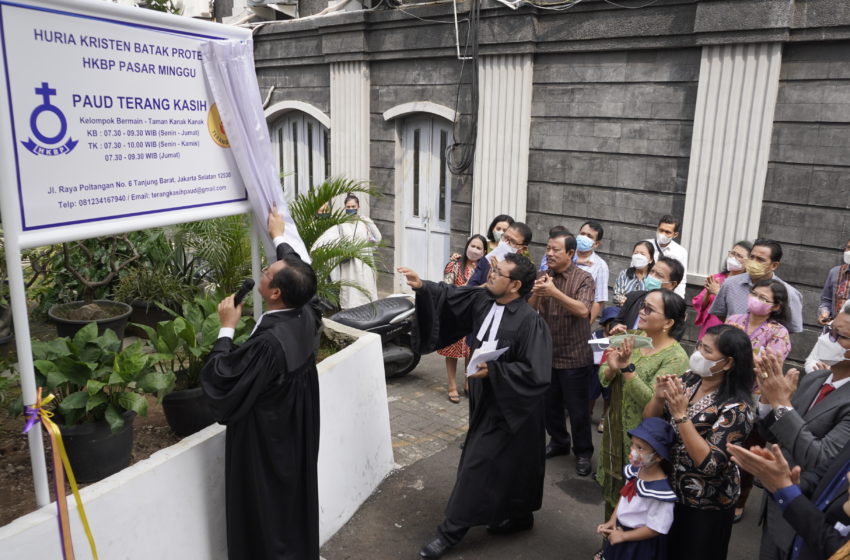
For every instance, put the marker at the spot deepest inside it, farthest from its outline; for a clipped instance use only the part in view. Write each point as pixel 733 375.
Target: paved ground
pixel 404 511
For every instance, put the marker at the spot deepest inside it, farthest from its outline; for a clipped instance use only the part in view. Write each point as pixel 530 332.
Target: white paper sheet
pixel 483 355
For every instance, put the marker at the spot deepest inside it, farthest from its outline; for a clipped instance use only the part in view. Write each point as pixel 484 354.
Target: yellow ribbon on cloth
pixel 38 413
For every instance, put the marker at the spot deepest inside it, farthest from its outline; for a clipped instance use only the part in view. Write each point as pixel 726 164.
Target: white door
pixel 302 147
pixel 427 196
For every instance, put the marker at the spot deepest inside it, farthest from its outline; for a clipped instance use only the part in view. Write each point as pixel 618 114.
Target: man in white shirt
pixel 664 244
pixel 587 241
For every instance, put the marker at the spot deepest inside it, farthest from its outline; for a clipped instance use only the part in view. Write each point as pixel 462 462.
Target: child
pixel 606 321
pixel 638 527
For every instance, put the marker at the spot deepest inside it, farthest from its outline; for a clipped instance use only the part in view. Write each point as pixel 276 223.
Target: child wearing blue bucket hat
pixel 638 527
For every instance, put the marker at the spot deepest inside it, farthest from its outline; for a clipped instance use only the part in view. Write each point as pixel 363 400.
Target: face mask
pixel 827 351
pixel 662 239
pixel 322 215
pixel 757 306
pixel 351 211
pixel 640 460
pixel 473 254
pixel 846 257
pixel 702 366
pixel 756 269
pixel 497 235
pixel 584 243
pixel 652 283
pixel 734 265
pixel 639 261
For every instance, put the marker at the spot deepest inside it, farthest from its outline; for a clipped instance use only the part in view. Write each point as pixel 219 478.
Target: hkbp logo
pixel 48 145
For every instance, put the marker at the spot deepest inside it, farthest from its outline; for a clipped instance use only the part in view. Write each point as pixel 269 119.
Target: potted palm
pixel 99 387
pixel 181 346
pixel 86 262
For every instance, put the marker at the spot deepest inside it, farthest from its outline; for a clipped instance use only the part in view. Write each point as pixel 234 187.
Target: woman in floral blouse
pixel 767 306
pixel 709 407
pixel 631 375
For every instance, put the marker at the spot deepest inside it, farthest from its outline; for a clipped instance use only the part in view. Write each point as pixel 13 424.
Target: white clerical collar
pixel 263 315
pixel 493 321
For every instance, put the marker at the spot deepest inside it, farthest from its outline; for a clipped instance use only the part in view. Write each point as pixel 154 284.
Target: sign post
pixel 107 126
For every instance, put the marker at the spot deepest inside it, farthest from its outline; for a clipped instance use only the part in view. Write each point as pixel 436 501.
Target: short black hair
pixel 496 220
pixel 734 343
pixel 351 197
pixel 597 227
pixel 780 297
pixel 556 229
pixel 524 231
pixel 774 246
pixel 671 219
pixel 523 270
pixel 677 271
pixel 296 282
pixel 569 239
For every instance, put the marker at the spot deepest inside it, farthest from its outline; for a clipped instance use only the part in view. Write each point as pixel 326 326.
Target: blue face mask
pixel 322 215
pixel 651 283
pixel 351 211
pixel 584 243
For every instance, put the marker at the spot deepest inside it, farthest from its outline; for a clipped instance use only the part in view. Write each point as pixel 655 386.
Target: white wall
pixel 172 504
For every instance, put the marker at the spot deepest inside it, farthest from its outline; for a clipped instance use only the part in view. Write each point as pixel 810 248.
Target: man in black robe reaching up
pixel 500 475
pixel 267 393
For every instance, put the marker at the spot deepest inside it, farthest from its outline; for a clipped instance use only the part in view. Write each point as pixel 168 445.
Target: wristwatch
pixel 781 411
pixel 682 420
pixel 629 368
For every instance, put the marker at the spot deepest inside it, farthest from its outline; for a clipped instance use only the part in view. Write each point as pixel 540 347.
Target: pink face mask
pixel 757 306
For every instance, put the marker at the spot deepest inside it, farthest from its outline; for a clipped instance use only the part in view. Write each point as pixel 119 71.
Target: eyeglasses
pixel 662 280
pixel 496 272
pixel 835 336
pixel 647 309
pixel 762 298
pixel 738 256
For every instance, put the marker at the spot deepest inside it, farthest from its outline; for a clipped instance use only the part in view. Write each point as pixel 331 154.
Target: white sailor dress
pixel 643 504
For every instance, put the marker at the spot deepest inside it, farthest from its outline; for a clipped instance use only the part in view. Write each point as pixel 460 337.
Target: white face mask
pixel 827 351
pixel 640 460
pixel 662 239
pixel 734 265
pixel 507 247
pixel 639 261
pixel 846 257
pixel 473 253
pixel 701 366
pixel 497 235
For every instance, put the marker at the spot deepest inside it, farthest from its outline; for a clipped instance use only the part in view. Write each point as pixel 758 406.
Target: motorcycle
pixel 392 319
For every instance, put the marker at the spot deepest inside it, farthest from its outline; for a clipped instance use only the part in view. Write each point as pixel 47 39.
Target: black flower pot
pixel 145 313
pixel 117 321
pixel 187 411
pixel 95 452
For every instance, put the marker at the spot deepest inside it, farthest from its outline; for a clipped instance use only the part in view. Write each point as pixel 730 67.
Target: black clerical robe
pixel 267 393
pixel 501 469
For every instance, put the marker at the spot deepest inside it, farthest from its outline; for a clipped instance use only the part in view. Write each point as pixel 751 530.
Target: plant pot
pixel 145 313
pixel 95 451
pixel 187 411
pixel 117 321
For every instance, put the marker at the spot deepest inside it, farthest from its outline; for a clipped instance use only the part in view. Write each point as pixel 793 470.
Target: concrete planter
pixel 172 504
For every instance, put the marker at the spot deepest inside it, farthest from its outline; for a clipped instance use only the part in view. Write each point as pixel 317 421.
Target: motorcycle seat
pixel 374 314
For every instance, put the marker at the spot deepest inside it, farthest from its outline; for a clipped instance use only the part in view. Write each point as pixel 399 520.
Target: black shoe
pixel 583 466
pixel 554 451
pixel 435 548
pixel 514 525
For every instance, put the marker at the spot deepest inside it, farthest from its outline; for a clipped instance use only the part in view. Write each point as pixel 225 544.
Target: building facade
pixel 731 114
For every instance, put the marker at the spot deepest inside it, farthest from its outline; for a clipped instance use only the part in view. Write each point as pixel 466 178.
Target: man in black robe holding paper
pixel 500 475
pixel 267 393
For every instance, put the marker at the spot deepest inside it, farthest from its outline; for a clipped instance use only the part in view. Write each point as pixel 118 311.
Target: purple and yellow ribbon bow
pixel 38 413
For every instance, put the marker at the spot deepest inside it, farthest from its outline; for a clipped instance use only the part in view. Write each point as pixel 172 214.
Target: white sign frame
pixel 17 239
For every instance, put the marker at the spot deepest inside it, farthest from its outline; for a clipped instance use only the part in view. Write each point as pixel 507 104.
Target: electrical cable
pixel 650 3
pixel 464 144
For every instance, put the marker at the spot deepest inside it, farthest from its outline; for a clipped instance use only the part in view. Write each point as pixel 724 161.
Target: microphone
pixel 246 287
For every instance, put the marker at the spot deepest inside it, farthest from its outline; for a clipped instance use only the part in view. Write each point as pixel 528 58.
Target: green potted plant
pixel 167 274
pixel 6 326
pixel 100 387
pixel 181 346
pixel 95 265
